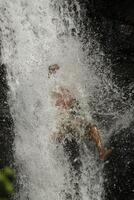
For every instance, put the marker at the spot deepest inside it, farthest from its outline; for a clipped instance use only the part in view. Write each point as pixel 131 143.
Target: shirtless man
pixel 67 102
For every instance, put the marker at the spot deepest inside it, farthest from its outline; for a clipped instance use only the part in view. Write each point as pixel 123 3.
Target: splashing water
pixel 34 37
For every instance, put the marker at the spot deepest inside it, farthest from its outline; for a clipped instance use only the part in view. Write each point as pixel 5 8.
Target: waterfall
pixel 35 36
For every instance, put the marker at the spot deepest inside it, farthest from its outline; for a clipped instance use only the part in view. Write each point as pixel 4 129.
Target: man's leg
pixel 95 136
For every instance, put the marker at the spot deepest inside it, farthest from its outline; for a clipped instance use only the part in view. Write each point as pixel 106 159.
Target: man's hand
pixel 58 137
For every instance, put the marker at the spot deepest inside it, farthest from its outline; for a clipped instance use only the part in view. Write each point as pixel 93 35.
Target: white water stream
pixel 34 37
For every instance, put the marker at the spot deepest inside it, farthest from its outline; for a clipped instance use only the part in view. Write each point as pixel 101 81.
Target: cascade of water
pixel 35 36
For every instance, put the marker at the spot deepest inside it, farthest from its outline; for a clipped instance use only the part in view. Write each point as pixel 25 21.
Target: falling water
pixel 34 36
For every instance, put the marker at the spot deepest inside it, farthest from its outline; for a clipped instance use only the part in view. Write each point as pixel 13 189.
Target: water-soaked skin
pixel 64 100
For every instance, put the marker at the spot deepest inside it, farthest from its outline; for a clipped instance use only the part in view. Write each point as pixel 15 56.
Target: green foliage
pixel 7 176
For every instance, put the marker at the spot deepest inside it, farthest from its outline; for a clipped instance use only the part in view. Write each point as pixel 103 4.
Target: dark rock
pixel 6 123
pixel 119 173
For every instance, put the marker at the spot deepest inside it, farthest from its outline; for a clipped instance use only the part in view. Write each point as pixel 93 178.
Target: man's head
pixel 52 69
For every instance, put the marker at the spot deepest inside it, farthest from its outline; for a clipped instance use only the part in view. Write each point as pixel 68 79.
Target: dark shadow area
pixel 119 171
pixel 6 126
pixel 6 123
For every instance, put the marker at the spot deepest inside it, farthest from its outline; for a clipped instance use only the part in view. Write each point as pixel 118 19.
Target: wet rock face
pixel 6 123
pixel 119 173
pixel 114 10
pixel 116 35
pixel 117 42
pixel 112 22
